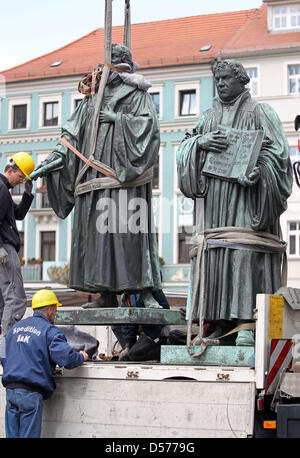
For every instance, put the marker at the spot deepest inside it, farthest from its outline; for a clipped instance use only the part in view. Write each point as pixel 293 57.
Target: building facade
pixel 39 96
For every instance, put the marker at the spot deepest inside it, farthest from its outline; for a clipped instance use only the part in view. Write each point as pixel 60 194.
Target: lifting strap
pixel 234 238
pixel 109 181
pixel 103 168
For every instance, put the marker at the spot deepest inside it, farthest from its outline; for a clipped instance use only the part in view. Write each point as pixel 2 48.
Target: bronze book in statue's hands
pixel 239 158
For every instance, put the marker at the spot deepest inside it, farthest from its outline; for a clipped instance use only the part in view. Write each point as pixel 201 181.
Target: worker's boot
pixel 108 299
pixel 149 300
pixel 145 349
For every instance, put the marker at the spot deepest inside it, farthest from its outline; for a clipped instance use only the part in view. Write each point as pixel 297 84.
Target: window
pixel 41 190
pixel 51 114
pixel 253 85
pixel 280 18
pixel 294 238
pixel 294 79
pixel 76 98
pixel 294 154
pixel 48 246
pixel 286 17
pixel 184 235
pixel 187 99
pixel 21 251
pixel 19 112
pixel 187 103
pixel 76 103
pixel 156 93
pixel 295 16
pixel 156 99
pixel 155 180
pixel 19 116
pixel 50 110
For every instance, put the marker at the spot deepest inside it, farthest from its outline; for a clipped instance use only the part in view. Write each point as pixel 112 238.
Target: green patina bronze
pixel 213 356
pixel 235 274
pixel 122 315
pixel 114 246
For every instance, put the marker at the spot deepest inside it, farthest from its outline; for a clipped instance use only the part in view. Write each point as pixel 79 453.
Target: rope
pixel 234 238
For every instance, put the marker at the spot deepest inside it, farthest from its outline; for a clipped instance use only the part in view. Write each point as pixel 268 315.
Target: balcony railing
pixel 32 272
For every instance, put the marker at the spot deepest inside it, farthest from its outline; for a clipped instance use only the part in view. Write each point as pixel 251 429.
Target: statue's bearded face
pixel 120 54
pixel 116 55
pixel 228 85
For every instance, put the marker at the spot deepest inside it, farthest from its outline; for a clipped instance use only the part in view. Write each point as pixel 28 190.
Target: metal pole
pixel 127 25
pixel 105 73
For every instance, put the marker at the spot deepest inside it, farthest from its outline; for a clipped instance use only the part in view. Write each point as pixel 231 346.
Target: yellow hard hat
pixel 24 162
pixel 43 298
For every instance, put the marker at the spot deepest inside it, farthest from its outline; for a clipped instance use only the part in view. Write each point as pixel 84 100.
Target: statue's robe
pixel 106 255
pixel 233 277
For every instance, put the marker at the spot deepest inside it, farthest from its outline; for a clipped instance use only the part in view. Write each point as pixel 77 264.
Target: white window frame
pixel 294 157
pixel 14 101
pixel 154 89
pixel 41 155
pixel 49 98
pixel 289 77
pixel 296 233
pixel 75 96
pixel 158 190
pixel 253 80
pixel 186 86
pixel 176 195
pixel 46 227
pixel 272 17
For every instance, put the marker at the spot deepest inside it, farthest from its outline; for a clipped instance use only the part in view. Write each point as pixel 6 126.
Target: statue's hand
pixel 250 180
pixel 51 162
pixel 107 116
pixel 214 142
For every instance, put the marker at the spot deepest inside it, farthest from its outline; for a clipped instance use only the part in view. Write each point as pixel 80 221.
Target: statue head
pixel 230 78
pixel 120 54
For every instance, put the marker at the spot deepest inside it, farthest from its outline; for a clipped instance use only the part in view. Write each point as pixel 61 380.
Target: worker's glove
pixel 3 256
pixel 28 187
pixel 52 161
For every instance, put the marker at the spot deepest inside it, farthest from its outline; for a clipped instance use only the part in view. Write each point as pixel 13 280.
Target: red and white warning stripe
pixel 280 360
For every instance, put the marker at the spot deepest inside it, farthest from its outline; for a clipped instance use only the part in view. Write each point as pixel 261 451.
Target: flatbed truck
pixel 228 392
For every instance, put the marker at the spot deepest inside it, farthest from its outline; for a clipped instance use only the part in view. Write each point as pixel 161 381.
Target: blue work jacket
pixel 30 352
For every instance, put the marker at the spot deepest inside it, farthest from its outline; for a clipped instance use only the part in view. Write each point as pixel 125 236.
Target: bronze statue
pixel 114 247
pixel 240 233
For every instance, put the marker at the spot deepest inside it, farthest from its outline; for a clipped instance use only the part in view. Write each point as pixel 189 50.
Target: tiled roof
pixel 165 43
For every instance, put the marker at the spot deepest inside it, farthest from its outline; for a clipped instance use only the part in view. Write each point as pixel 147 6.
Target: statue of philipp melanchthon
pixel 114 246
pixel 242 254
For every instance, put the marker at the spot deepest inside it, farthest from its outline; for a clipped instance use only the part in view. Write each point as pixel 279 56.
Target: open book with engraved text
pixel 239 158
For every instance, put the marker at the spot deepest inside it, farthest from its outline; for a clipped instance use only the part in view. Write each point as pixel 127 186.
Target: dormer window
pixel 284 17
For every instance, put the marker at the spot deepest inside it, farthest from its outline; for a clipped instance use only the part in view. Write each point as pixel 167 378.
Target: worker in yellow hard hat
pixel 33 347
pixel 43 299
pixel 12 294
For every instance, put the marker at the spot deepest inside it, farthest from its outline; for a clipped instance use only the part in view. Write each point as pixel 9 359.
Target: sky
pixel 31 28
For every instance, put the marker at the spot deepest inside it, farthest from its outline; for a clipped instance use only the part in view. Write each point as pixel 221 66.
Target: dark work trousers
pixel 12 293
pixel 131 331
